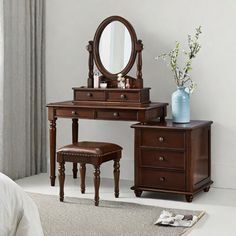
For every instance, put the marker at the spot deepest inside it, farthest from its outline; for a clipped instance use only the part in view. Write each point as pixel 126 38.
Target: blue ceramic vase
pixel 181 106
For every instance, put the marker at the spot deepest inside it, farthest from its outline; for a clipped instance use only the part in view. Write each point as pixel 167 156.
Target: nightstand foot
pixel 189 198
pixel 138 193
pixel 206 189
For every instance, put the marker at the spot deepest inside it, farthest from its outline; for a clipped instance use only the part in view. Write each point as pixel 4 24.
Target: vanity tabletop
pixel 105 105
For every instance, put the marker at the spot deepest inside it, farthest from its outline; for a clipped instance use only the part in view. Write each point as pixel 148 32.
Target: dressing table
pixel 170 158
pixel 113 51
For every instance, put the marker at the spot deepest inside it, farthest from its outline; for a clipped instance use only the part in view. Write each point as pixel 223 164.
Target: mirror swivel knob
pixel 162 179
pixel 116 114
pixel 161 158
pixel 89 95
pixel 161 139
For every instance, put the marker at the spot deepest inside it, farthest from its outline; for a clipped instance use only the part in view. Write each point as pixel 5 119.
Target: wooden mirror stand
pixel 107 76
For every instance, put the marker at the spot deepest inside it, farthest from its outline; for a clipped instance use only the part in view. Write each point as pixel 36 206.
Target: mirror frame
pixel 96 42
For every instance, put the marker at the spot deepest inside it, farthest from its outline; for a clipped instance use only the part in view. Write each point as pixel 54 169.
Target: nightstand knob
pixel 161 158
pixel 73 112
pixel 116 114
pixel 161 139
pixel 162 179
pixel 89 94
pixel 122 96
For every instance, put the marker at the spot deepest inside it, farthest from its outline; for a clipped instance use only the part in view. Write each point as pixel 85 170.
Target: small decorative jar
pixel 181 106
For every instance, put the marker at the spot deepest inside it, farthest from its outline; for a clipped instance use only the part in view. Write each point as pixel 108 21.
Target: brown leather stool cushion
pixel 90 148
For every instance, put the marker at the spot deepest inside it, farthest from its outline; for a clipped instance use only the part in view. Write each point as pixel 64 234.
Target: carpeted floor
pixel 79 217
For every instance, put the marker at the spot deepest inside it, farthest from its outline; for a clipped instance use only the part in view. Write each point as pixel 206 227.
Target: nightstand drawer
pixel 162 179
pixel 117 115
pixel 90 95
pixel 161 138
pixel 163 159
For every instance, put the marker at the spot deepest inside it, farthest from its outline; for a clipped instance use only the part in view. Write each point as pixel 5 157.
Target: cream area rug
pixel 79 217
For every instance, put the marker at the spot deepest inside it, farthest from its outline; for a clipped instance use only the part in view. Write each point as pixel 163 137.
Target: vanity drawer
pixel 117 115
pixel 163 138
pixel 78 113
pixel 123 96
pixel 163 159
pixel 162 179
pixel 89 95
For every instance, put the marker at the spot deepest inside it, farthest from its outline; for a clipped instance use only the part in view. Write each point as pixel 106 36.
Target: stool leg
pixel 116 176
pixel 75 170
pixel 96 184
pixel 61 177
pixel 82 177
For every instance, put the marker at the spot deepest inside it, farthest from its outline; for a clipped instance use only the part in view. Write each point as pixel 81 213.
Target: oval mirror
pixel 115 47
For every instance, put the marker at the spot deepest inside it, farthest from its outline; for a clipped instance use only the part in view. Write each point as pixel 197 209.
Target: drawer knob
pixel 161 158
pixel 116 114
pixel 73 112
pixel 123 96
pixel 162 179
pixel 161 139
pixel 89 94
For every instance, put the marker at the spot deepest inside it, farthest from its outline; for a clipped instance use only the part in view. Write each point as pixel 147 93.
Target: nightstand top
pixel 168 124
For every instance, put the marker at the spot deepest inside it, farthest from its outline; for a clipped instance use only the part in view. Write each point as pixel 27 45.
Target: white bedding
pixel 18 213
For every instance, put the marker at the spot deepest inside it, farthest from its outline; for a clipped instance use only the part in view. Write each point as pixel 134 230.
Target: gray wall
pixel 71 23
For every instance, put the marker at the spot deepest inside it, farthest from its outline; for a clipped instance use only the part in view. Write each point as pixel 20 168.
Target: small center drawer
pixel 123 96
pixel 90 95
pixel 161 138
pixel 162 179
pixel 80 113
pixel 163 159
pixel 117 115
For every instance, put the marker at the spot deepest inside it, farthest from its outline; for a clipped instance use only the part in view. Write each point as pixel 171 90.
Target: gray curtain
pixel 24 118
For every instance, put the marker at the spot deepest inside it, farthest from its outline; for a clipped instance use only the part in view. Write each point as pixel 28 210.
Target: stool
pixel 94 153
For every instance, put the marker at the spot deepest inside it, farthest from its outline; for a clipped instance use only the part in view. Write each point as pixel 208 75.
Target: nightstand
pixel 173 158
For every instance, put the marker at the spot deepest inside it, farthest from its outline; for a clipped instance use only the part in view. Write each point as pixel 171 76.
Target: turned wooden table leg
pixel 75 140
pixel 96 184
pixel 116 177
pixel 52 134
pixel 61 177
pixel 82 177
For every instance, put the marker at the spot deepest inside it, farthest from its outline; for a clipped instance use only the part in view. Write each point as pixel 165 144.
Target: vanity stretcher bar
pixel 98 111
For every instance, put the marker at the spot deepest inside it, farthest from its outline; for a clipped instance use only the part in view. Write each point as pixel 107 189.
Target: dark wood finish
pixel 116 177
pixel 90 64
pixel 94 153
pixel 139 48
pixel 162 179
pixel 82 94
pixel 138 193
pixel 134 50
pixel 52 134
pixel 173 158
pixel 163 138
pixel 82 177
pixel 74 110
pixel 75 140
pixel 112 95
pixel 96 174
pixel 156 158
pixel 61 178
